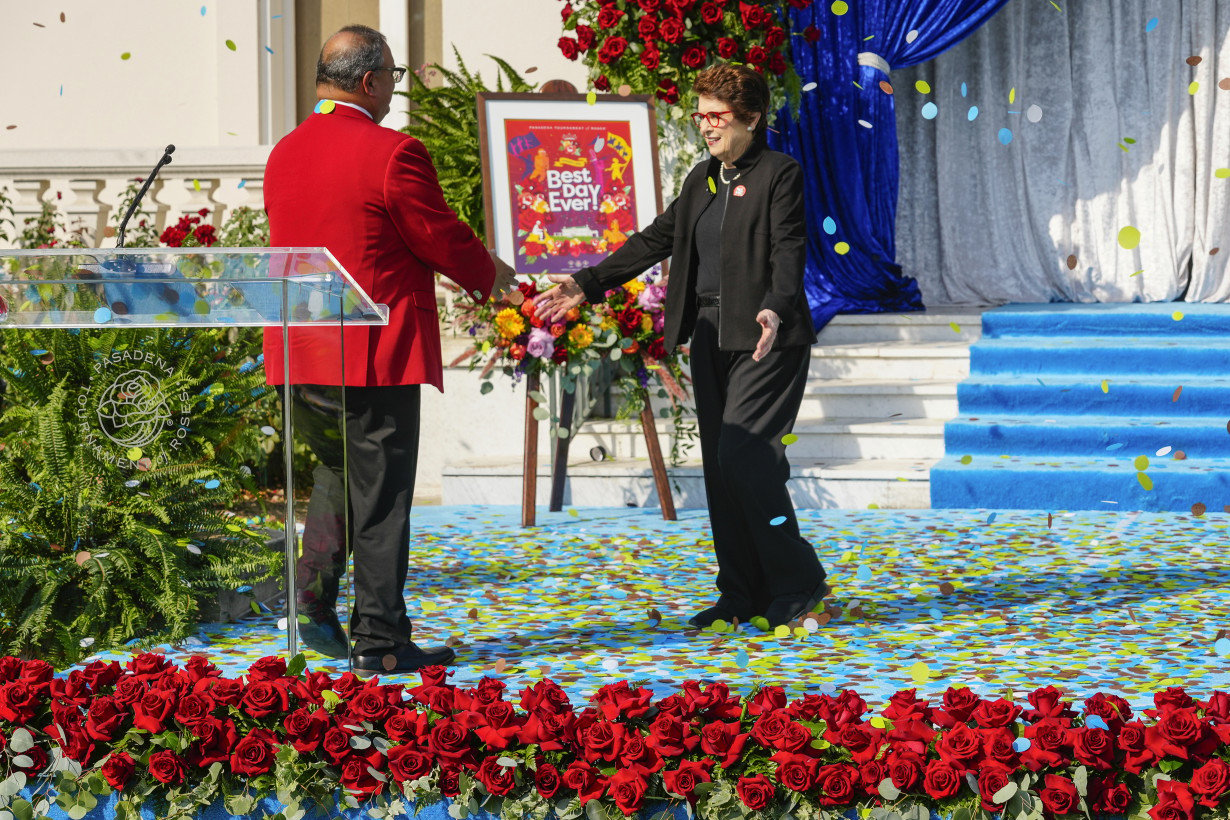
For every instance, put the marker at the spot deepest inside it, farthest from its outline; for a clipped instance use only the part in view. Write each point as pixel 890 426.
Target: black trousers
pixel 743 409
pixel 381 457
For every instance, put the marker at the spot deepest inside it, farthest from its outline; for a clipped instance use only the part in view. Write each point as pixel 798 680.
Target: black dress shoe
pixel 718 612
pixel 787 608
pixel 408 658
pixel 323 633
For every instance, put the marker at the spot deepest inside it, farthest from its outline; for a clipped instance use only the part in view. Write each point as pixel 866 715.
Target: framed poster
pixel 565 182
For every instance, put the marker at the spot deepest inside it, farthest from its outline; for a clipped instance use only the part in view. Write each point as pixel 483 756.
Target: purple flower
pixel 651 297
pixel 541 343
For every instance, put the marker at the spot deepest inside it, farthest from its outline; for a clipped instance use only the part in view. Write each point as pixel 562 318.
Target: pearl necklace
pixel 722 174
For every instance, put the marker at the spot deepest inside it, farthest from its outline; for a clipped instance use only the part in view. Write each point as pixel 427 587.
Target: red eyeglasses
pixel 713 117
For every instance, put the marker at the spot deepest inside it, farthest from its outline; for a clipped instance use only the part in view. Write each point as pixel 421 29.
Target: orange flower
pixel 632 347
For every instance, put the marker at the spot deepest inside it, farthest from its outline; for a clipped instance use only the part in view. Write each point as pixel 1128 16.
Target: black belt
pixel 708 300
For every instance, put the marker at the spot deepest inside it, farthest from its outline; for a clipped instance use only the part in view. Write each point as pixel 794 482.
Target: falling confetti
pixel 1141 463
pixel 973 113
pixel 789 438
pixel 1177 315
pixel 778 521
pixel 966 459
pixel 964 90
pixel 1222 173
pixel 126 55
pixel 1145 481
pixel 1129 237
pixel 1106 388
pixel 1034 113
pixel 1011 96
pixel 886 87
pixel 625 90
pixel 840 7
pixel 956 328
pixel 841 248
pixel 591 98
pixel 1072 262
pixel 1193 87
pixel 1199 509
pixel 930 110
pixel 1152 24
pixel 1165 451
pixel 809 87
pixel 1005 135
pixel 1178 391
pixel 922 87
pixel 230 44
pixel 829 225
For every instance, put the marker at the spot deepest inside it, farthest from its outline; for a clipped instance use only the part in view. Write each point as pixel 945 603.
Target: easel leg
pixel 529 464
pixel 660 480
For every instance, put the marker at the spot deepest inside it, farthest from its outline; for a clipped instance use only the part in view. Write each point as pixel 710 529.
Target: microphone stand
pixel 166 160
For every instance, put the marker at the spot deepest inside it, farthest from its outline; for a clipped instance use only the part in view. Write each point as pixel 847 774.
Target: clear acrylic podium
pixel 137 409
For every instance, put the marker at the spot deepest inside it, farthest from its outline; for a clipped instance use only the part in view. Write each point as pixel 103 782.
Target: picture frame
pixel 565 179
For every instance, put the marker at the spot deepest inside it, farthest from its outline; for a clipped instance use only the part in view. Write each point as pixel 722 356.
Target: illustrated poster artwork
pixel 572 190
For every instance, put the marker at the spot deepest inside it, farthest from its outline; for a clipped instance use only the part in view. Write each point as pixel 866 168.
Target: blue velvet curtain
pixel 845 137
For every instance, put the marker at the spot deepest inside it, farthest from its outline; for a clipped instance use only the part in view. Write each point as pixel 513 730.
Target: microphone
pixel 136 200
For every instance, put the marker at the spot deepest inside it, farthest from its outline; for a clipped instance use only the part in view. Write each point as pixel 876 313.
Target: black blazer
pixel 764 244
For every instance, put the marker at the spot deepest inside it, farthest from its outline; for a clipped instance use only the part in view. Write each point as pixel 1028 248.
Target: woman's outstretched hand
pixel 769 323
pixel 554 303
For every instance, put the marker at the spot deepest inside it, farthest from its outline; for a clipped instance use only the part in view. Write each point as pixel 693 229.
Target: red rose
pixel 755 792
pixel 1174 801
pixel 105 718
pixel 958 707
pixel 1211 781
pixel 796 772
pixel 1058 795
pixel 906 705
pixel 569 47
pixel 609 17
pixel 566 12
pixel 198 668
pixel 270 667
pixel 727 48
pixel 18 702
pixel 657 349
pixel 356 774
pixel 1047 702
pixel 777 64
pixel 75 743
pixel 167 767
pixel 118 769
pixel 38 761
pixel 912 736
pixel 585 780
pixel 757 55
pixel 151 712
pixel 148 665
pixel 193 708
pixel 649 5
pixel 770 728
pixel 906 770
pixel 647 28
pixel 335 745
pixel 627 788
pixel 992 777
pixel 650 57
pixel 671 30
pixel 406 764
pixel 96 673
pixel 602 83
pixel 585 38
pixel 1093 747
pixel 449 782
pixel 723 740
pixel 263 698
pixel 255 753
pixel 306 729
pixel 1180 733
pixel 870 775
pixel 73 691
pixel 225 691
pixel 774 37
pixel 405 726
pixel 711 13
pixel 1175 697
pixel 671 737
pixel 994 714
pixel 612 49
pixel 10 668
pixel 754 15
pixel 682 781
pixel 1217 708
pixel 961 747
pixel 800 4
pixel 668 92
pixel 862 739
pixel 942 779
pixel 997 745
pixel 547 780
pixel 811 34
pixel 496 779
pixel 694 56
pixel 636 753
pixel 370 704
pixel 215 741
pixel 766 699
pixel 448 740
pixel 837 784
pixel 1134 750
pixel 1108 797
pixel 1048 745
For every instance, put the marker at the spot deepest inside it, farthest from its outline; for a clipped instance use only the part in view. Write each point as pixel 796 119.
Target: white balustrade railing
pixel 87 185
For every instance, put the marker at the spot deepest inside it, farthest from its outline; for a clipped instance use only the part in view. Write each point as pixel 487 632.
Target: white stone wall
pixel 523 32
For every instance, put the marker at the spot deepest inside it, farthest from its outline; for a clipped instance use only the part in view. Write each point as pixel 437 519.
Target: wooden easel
pixel 559 465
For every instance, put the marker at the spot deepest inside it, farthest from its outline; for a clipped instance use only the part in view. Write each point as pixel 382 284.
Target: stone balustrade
pixel 87 185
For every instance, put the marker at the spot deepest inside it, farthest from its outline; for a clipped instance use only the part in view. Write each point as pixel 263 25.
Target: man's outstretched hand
pixel 553 304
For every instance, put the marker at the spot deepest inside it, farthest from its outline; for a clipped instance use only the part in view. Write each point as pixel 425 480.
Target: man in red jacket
pixel 370 195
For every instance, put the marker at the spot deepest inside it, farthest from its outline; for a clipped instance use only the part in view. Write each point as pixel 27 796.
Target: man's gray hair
pixel 346 66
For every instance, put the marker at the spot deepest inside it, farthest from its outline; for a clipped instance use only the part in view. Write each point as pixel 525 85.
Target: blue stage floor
pixel 1003 602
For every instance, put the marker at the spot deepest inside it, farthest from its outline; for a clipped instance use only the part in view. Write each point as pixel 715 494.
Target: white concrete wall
pixel 523 32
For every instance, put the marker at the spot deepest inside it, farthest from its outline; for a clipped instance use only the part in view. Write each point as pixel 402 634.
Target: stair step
pixel 891 361
pixel 1134 319
pixel 1070 483
pixel 1088 435
pixel 814 483
pixel 1072 394
pixel 923 326
pixel 1181 356
pixel 871 398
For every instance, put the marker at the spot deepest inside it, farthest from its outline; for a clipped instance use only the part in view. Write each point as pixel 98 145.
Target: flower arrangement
pixel 658 46
pixel 191 737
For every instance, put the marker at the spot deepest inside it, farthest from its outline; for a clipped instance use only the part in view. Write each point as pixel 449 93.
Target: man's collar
pixel 351 105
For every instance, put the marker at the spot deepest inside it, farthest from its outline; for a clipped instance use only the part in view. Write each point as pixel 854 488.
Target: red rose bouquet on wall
pixel 658 46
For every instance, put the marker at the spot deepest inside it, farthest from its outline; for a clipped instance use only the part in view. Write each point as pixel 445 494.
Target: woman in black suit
pixel 736 237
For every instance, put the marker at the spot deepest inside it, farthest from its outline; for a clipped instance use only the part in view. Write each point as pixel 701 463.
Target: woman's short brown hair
pixel 742 88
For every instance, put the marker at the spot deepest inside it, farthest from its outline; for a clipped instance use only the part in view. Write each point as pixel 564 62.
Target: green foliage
pixel 445 119
pixel 140 232
pixel 244 227
pixel 48 230
pixel 104 542
pixel 6 216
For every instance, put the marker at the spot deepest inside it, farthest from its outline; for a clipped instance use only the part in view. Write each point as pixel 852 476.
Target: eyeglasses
pixel 397 72
pixel 713 117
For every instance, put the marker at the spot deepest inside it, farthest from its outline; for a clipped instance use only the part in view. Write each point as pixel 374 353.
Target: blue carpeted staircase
pixel 1063 399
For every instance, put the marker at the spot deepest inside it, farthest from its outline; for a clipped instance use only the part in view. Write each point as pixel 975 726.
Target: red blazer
pixel 370 195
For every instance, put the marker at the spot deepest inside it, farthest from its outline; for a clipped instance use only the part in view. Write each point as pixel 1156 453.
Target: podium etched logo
pixel 135 410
